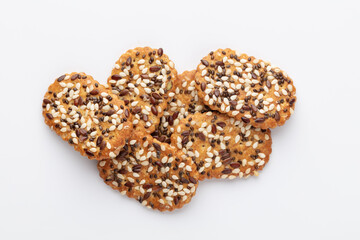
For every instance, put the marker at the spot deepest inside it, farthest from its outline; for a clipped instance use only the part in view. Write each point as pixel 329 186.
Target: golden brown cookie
pixel 87 115
pixel 143 78
pixel 222 147
pixel 184 102
pixel 245 88
pixel 151 172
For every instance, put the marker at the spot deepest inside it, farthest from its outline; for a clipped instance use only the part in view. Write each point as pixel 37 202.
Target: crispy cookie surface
pixel 245 88
pixel 184 102
pixel 143 78
pixel 222 147
pixel 151 172
pixel 87 115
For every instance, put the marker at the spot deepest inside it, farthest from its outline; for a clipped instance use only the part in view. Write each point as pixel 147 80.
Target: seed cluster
pixel 245 88
pixel 184 102
pixel 152 172
pixel 87 115
pixel 143 78
pixel 222 147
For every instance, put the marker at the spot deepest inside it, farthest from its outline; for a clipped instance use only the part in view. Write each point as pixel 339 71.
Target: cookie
pixel 151 172
pixel 143 78
pixel 184 102
pixel 87 115
pixel 245 88
pixel 222 147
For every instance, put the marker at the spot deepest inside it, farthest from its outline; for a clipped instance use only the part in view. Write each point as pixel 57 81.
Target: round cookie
pixel 222 147
pixel 87 115
pixel 151 172
pixel 143 78
pixel 185 102
pixel 245 88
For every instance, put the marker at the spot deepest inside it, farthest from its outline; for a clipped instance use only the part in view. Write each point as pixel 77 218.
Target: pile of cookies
pixel 156 134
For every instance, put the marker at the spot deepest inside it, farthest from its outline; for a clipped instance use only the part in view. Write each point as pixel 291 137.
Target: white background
pixel 308 190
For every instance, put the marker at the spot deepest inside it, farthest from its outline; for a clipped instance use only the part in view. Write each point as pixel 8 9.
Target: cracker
pixel 143 78
pixel 151 172
pixel 87 115
pixel 185 102
pixel 245 88
pixel 222 147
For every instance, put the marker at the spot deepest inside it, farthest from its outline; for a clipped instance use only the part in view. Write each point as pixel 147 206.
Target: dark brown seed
pixel 260 120
pixel 291 102
pixel 201 136
pixel 158 163
pixel 245 119
pixel 147 186
pixel 146 196
pixel 76 102
pixel 171 121
pixel 193 180
pixel 126 113
pixel 233 102
pixel 203 86
pixel 221 124
pixel 75 76
pixel 136 110
pixel 204 62
pixel 123 92
pixel 222 152
pixel 128 61
pixel 129 184
pixel 185 140
pixel 157 146
pixel 89 153
pixel 184 180
pixel 145 118
pixel 154 111
pixel 136 168
pixel 216 92
pixel 235 165
pixel 116 77
pixel 277 116
pixel 156 95
pixel 94 92
pixel 46 101
pixel 176 200
pixel 83 132
pixel 99 140
pixel 62 77
pixel 268 83
pixel 82 138
pixel 185 133
pixel 81 101
pixel 246 108
pixel 175 115
pixel 219 63
pixel 160 52
pixel 102 145
pixel 213 129
pixel 155 68
pixel 144 76
pixel 110 112
pixel 227 161
pixel 49 116
pixel 253 108
pixel 153 100
pixel 226 171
